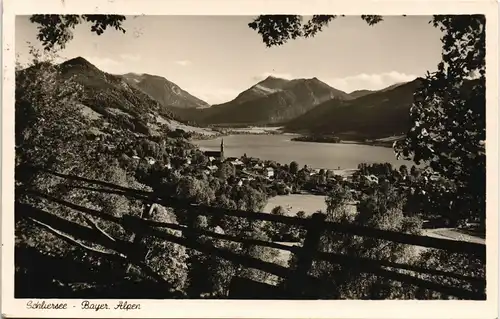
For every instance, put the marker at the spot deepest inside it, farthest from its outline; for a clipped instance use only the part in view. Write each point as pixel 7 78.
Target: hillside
pixel 264 88
pixel 272 101
pixel 117 103
pixel 167 93
pixel 360 93
pixel 374 115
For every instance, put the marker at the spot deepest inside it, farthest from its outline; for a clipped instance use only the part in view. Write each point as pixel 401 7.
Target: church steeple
pixel 222 150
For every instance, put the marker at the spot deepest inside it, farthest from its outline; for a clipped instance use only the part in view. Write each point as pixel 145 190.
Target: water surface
pixel 281 149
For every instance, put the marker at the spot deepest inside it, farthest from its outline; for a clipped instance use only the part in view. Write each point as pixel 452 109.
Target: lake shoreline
pixel 297 138
pixel 381 144
pixel 280 149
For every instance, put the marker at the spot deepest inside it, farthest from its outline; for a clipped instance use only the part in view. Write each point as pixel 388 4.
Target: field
pixel 255 130
pixel 295 203
pixel 313 203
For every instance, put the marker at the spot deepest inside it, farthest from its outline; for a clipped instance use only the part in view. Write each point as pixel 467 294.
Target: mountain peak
pixel 167 93
pixel 273 82
pixel 271 77
pixel 79 62
pixel 315 80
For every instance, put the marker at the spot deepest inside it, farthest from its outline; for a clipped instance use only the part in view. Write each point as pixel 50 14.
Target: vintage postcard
pixel 249 159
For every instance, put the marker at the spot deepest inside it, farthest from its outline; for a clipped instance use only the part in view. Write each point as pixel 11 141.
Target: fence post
pixel 299 283
pixel 136 237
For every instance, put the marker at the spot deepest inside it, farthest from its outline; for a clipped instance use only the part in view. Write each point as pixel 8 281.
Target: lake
pixel 281 149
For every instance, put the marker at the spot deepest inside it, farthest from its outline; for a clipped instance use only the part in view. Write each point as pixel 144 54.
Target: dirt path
pixel 453 234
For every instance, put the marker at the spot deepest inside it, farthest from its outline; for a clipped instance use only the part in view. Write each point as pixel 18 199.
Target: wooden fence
pixel 299 279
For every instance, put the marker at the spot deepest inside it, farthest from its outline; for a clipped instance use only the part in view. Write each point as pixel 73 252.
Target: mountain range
pixel 120 104
pixel 373 114
pixel 167 93
pixel 144 103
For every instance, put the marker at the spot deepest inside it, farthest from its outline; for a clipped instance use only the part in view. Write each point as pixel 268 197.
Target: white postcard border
pixel 253 309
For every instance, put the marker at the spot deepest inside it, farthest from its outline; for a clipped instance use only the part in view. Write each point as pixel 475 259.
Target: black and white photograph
pixel 249 157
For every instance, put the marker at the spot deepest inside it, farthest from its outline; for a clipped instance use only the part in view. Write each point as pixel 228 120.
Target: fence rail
pixel 299 277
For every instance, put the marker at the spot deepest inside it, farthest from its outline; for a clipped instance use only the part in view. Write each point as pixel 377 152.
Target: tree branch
pixel 94 225
pixel 71 240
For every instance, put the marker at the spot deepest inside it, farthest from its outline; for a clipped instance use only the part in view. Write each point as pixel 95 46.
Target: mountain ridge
pixel 372 115
pixel 117 104
pixel 272 100
pixel 167 93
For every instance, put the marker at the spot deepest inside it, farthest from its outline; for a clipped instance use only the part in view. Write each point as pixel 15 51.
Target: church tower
pixel 222 150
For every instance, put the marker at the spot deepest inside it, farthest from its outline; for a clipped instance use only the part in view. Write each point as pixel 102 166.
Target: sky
pixel 217 57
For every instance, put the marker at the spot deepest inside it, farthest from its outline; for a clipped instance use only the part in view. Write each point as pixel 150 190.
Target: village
pixel 279 179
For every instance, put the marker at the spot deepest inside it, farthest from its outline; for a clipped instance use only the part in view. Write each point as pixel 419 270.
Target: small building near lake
pixel 269 171
pixel 236 162
pixel 216 155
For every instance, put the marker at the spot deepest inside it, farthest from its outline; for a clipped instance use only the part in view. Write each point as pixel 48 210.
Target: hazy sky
pixel 217 57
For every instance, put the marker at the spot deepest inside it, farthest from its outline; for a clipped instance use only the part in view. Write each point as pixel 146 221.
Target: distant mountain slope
pixel 169 94
pixel 272 101
pixel 115 103
pixel 360 93
pixel 374 115
pixel 264 88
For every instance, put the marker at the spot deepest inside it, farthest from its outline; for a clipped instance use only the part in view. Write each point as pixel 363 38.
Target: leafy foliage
pixel 450 262
pixel 448 129
pixel 53 135
pixel 278 29
pixel 54 30
pixel 47 117
pixel 449 123
pixel 382 210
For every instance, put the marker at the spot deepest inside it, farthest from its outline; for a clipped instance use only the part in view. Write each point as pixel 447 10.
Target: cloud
pixel 369 81
pixel 130 57
pixel 183 62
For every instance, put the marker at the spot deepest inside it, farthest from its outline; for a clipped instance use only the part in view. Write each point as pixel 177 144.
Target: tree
pixel 414 171
pixel 278 29
pixel 381 210
pixel 448 113
pixel 226 170
pixel 50 129
pixel 294 168
pixel 403 170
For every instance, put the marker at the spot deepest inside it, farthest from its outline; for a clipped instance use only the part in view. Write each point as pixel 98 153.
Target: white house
pixel 372 178
pixel 435 177
pixel 150 160
pixel 212 168
pixel 269 172
pixel 240 182
pixel 236 162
